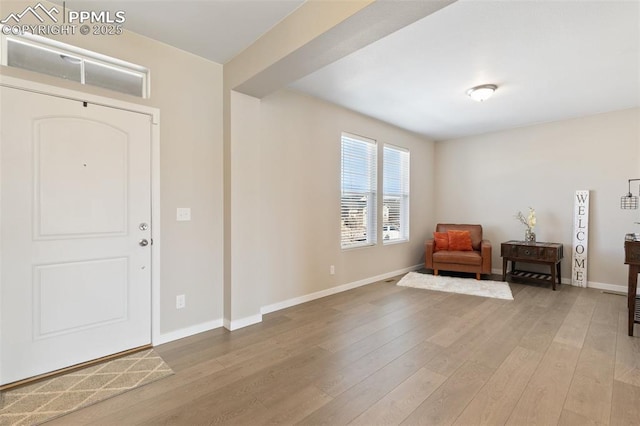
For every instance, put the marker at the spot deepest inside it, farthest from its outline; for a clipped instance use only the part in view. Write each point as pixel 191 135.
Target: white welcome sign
pixel 580 238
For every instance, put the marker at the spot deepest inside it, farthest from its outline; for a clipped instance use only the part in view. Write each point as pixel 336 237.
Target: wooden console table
pixel 542 253
pixel 632 258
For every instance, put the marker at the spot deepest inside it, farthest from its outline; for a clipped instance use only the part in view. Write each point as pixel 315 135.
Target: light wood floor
pixel 383 354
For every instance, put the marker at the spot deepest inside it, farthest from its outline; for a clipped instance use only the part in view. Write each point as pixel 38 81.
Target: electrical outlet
pixel 181 301
pixel 332 270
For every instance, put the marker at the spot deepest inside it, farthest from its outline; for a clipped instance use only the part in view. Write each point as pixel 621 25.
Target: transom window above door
pixel 45 56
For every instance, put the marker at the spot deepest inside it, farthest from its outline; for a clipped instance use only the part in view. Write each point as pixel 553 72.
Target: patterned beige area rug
pixel 44 400
pixel 484 288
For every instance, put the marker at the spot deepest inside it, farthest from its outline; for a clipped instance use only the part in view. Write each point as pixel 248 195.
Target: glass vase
pixel 529 236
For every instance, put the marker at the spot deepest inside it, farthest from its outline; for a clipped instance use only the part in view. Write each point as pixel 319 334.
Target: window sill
pixel 361 246
pixel 393 242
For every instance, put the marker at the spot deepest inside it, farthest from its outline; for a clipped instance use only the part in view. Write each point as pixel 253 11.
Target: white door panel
pixel 85 175
pixel 99 289
pixel 75 186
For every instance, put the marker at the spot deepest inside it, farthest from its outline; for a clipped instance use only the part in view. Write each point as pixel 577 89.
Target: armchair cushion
pixel 458 257
pixel 474 230
pixel 442 240
pixel 459 240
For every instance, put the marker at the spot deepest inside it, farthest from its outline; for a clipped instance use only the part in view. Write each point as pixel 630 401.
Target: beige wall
pixel 287 190
pixel 245 294
pixel 188 91
pixel 314 35
pixel 299 206
pixel 486 179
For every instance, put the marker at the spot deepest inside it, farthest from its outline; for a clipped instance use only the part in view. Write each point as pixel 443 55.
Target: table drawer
pixel 531 252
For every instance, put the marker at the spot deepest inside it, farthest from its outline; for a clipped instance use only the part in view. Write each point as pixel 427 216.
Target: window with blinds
pixel 359 183
pixel 395 207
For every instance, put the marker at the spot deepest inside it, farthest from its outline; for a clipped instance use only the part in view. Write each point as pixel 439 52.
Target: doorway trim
pixel 154 113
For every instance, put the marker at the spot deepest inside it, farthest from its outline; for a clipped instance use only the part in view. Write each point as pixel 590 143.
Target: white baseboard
pixel 186 332
pixel 242 322
pixel 609 287
pixel 600 286
pixel 333 290
pixel 255 319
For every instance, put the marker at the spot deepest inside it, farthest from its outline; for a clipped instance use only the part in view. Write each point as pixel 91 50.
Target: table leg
pixel 504 269
pixel 631 296
pixel 553 276
pixel 559 273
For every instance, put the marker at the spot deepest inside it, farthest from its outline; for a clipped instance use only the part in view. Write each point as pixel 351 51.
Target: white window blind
pixel 395 208
pixel 359 183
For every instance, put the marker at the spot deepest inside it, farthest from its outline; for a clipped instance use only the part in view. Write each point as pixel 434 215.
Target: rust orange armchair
pixel 474 257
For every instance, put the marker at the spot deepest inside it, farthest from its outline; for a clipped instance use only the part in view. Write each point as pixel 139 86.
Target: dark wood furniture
pixel 541 253
pixel 632 258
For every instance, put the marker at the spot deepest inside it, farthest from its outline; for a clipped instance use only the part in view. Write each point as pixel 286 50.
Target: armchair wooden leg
pixel 478 276
pixel 435 272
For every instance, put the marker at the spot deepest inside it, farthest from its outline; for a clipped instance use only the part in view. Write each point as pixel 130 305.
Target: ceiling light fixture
pixel 482 93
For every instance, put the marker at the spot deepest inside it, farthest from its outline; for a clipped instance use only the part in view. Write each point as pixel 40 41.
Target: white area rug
pixel 495 289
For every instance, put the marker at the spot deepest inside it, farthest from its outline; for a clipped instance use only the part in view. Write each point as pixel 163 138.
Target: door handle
pixel 143 242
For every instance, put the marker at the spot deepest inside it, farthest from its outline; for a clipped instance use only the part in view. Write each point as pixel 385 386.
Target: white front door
pixel 75 212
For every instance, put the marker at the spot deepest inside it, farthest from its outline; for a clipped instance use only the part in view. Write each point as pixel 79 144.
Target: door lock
pixel 143 226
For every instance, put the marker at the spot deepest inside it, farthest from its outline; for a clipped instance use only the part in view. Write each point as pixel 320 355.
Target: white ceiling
pixel 214 29
pixel 552 60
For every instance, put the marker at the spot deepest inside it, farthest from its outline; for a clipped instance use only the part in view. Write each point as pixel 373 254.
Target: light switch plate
pixel 181 301
pixel 183 214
